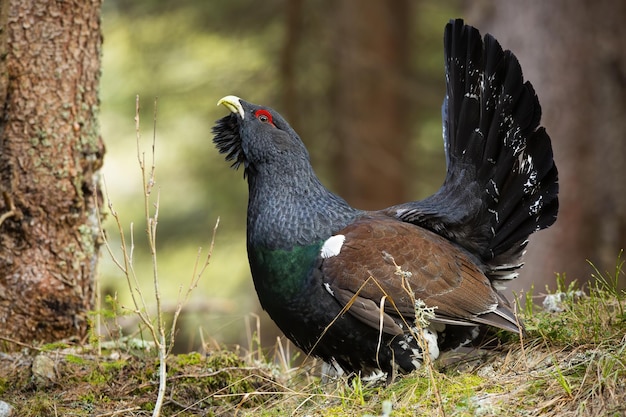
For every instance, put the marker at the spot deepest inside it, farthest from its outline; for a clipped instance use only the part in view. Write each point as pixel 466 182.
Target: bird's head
pixel 259 138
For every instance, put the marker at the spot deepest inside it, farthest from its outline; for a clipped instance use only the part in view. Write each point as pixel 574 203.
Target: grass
pixel 571 363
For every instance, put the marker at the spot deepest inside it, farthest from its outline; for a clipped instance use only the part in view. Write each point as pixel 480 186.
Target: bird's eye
pixel 264 116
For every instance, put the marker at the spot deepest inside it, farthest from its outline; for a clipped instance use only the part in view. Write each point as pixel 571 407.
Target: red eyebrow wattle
pixel 265 113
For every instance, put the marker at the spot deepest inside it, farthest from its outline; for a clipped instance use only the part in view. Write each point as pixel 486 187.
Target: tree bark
pixel 370 101
pixel 573 53
pixel 50 153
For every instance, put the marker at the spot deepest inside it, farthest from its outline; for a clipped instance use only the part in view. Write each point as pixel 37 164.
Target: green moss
pixel 87 238
pixel 225 373
pixel 224 359
pixel 536 387
pixel 113 366
pixel 105 372
pixel 76 360
pixel 88 397
pixel 49 347
pixel 4 385
pixel 37 405
pixel 193 358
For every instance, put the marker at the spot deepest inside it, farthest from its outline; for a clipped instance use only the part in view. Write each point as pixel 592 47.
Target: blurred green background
pixel 189 54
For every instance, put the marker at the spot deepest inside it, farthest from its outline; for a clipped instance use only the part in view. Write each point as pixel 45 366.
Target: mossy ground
pixel 570 363
pixel 77 382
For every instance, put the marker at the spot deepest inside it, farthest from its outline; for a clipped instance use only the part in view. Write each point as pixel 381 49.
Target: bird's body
pixel 347 285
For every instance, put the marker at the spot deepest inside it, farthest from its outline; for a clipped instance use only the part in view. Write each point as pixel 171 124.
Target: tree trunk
pixel 370 101
pixel 288 64
pixel 50 152
pixel 574 54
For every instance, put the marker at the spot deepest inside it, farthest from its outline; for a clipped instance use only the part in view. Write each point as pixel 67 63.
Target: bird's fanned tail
pixel 501 183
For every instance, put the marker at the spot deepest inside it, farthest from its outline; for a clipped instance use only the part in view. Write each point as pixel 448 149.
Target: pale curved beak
pixel 233 103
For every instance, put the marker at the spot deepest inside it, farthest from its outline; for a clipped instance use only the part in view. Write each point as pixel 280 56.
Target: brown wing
pixel 382 257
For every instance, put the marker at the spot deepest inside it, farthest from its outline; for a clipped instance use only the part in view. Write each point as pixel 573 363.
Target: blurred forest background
pixel 362 82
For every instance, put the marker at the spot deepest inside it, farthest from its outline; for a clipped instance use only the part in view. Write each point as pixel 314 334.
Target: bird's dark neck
pixel 289 218
pixel 289 211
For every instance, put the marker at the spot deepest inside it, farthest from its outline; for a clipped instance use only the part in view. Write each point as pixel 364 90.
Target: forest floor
pixel 572 362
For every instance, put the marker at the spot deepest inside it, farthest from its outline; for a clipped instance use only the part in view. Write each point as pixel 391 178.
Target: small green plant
pixel 357 390
pixel 609 282
pixel 386 408
pixel 563 382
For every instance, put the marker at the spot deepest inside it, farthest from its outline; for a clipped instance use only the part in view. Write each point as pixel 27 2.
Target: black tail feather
pixel 501 183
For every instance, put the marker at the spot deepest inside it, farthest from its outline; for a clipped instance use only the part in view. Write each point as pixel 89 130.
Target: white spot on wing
pixel 330 290
pixel 431 340
pixel 332 246
pixel 429 337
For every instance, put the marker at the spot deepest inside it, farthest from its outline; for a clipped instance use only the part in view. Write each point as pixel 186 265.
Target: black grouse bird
pixel 350 286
